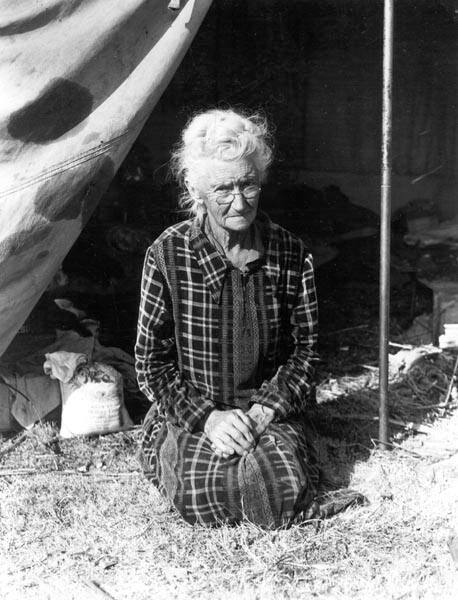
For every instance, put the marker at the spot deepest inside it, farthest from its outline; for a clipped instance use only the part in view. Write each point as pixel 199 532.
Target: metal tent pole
pixel 385 218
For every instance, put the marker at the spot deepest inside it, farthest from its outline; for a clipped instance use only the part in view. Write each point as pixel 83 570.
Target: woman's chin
pixel 239 222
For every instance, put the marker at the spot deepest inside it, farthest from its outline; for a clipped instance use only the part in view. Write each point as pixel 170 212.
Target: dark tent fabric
pixel 78 80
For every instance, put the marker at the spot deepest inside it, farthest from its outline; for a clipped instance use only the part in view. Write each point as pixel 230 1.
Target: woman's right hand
pixel 230 432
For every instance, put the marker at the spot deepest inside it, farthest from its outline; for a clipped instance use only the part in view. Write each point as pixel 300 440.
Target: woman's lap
pixel 268 486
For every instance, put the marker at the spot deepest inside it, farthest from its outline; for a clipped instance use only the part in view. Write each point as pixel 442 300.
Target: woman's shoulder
pixel 169 242
pixel 285 241
pixel 176 233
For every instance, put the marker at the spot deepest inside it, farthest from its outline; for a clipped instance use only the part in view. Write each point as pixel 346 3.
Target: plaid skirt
pixel 269 486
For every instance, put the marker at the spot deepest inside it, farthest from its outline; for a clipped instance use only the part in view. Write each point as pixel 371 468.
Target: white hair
pixel 221 134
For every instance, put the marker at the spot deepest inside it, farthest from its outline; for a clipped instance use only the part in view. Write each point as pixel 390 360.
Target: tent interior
pixel 314 68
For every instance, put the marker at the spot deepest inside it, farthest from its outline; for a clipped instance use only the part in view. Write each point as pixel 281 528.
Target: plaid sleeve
pixel 156 355
pixel 288 390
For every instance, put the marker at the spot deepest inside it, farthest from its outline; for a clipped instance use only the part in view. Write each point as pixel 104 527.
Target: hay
pixel 419 391
pixel 80 516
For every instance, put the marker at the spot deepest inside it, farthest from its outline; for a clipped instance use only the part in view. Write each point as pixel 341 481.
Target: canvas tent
pixel 79 79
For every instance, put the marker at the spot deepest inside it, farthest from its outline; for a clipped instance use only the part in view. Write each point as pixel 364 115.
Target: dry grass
pixel 81 522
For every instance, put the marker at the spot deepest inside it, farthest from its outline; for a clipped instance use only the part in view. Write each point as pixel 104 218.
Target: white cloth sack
pixel 92 395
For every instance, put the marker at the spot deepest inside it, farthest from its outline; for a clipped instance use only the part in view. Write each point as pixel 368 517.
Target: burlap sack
pixel 92 395
pixel 93 402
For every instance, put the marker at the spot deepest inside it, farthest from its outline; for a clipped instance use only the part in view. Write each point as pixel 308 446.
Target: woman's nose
pixel 239 202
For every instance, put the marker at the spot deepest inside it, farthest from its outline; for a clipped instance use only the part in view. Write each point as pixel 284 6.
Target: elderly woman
pixel 226 339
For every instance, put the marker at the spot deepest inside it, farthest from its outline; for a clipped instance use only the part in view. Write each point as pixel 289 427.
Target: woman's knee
pixel 271 487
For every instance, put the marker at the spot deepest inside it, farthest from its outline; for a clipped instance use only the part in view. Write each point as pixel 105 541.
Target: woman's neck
pixel 229 241
pixel 239 248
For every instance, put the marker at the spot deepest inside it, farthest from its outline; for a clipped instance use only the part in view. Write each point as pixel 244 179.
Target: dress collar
pixel 215 267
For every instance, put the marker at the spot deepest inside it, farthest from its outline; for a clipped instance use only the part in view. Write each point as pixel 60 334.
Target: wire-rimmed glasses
pixel 226 196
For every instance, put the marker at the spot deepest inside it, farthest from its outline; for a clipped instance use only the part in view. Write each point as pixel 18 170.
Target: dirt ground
pixel 78 520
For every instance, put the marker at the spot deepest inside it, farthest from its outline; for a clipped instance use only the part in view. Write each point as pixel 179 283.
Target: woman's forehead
pixel 216 171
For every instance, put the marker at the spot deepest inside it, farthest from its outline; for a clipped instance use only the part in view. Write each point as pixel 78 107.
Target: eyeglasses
pixel 226 196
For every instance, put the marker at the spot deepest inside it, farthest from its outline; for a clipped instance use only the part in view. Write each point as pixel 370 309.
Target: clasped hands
pixel 236 432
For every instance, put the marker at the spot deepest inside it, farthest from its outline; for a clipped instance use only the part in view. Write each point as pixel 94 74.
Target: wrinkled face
pixel 229 190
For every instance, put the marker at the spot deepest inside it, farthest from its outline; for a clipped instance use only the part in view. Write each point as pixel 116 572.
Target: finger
pixel 243 417
pixel 222 449
pixel 229 441
pixel 222 454
pixel 236 436
pixel 244 426
pixel 245 430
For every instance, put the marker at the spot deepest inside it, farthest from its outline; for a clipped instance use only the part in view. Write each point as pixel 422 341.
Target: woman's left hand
pixel 229 432
pixel 260 417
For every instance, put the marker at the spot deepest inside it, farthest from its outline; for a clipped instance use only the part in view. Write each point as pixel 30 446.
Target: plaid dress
pixel 213 337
